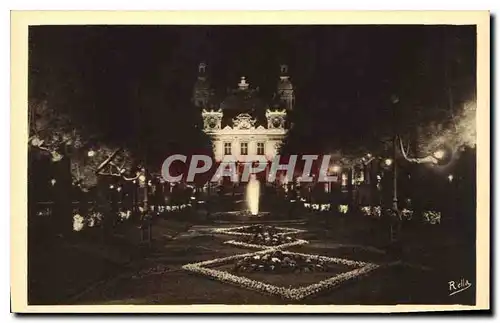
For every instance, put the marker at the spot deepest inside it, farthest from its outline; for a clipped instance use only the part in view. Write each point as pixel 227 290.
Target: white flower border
pixel 232 231
pixel 297 242
pixel 295 294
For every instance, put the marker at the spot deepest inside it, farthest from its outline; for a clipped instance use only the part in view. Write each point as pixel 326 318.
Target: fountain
pixel 253 195
pixel 251 213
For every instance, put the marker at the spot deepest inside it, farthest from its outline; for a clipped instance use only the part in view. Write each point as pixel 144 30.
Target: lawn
pixel 421 277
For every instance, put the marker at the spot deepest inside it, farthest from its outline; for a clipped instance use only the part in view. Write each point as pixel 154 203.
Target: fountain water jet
pixel 253 195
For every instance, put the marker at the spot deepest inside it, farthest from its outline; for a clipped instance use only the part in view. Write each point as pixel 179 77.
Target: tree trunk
pixel 104 207
pixel 350 193
pixel 63 210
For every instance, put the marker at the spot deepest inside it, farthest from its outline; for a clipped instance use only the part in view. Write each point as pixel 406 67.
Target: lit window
pixel 244 148
pixel 227 148
pixel 260 148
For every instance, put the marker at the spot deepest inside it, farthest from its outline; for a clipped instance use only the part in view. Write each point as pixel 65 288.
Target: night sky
pixel 112 78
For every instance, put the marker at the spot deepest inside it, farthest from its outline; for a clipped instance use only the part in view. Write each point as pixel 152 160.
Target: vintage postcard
pixel 250 161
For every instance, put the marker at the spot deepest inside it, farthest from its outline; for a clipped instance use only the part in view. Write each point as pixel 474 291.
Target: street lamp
pixel 442 155
pixel 91 153
pixel 395 227
pixel 388 162
pixel 450 178
pixel 439 154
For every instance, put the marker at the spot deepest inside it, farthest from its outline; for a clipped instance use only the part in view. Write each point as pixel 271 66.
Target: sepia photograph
pixel 251 162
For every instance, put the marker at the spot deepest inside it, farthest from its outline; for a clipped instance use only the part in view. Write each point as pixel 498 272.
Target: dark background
pixel 121 80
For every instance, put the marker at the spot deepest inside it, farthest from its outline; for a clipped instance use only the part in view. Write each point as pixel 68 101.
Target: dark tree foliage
pixel 411 80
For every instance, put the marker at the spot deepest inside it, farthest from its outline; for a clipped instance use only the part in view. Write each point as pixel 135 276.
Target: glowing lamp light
pixel 450 177
pixel 91 153
pixel 388 162
pixel 119 188
pixel 335 168
pixel 111 186
pixel 439 154
pixel 142 178
pixel 56 156
pixel 53 181
pixel 36 142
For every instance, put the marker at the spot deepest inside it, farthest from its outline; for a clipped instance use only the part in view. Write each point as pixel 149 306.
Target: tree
pixel 51 132
pixel 458 132
pixel 54 134
pixel 100 161
pixel 80 160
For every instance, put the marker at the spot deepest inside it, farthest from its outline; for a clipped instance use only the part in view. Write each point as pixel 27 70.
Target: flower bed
pixel 432 217
pixel 343 208
pixel 284 262
pixel 275 242
pixel 373 211
pixel 277 262
pixel 317 207
pixel 251 230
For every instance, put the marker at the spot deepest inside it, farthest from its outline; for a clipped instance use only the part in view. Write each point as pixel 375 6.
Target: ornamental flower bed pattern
pixel 279 262
pixel 274 242
pixel 252 230
pixel 233 270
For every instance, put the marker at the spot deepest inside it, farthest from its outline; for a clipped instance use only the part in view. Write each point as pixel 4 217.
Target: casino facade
pixel 244 125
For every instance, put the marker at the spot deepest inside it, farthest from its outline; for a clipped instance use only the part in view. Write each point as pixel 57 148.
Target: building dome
pixel 202 81
pixel 243 101
pixel 284 82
